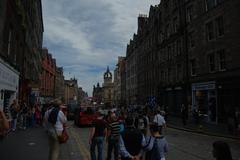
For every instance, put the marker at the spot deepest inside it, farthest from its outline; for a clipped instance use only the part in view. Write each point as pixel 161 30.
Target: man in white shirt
pixel 159 119
pixel 55 121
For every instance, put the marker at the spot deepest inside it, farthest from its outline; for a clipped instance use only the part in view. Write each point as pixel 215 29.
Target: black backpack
pixel 52 118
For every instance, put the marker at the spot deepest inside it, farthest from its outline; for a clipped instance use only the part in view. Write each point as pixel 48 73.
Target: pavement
pixel 218 130
pixel 30 144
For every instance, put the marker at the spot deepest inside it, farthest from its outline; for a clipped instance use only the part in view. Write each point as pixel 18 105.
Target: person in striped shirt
pixel 113 137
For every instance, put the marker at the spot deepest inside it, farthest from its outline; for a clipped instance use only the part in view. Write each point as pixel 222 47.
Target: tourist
pixel 157 144
pixel 159 119
pixel 131 141
pixel 97 136
pixel 113 137
pixel 14 109
pixel 184 114
pixel 55 121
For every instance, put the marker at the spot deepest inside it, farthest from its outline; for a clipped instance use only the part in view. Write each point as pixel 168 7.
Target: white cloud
pixel 86 36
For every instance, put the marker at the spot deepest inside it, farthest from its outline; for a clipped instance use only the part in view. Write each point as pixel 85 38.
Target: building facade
pixel 108 88
pixel 9 85
pixel 213 55
pixel 98 93
pixel 131 72
pixel 186 52
pixel 48 76
pixel 21 34
pixel 119 82
pixel 59 83
pixel 82 95
pixel 71 91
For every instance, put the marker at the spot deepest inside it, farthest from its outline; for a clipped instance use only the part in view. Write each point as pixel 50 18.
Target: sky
pixel 86 36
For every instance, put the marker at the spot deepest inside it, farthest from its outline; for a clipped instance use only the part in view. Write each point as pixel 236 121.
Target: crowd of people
pixel 21 116
pixel 130 133
pixel 24 116
pixel 137 135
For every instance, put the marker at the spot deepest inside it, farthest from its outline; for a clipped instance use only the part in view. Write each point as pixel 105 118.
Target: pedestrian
pixel 55 122
pixel 141 123
pixel 157 145
pixel 97 135
pixel 37 115
pixel 14 109
pixel 4 124
pixel 131 141
pixel 237 125
pixel 221 151
pixel 184 114
pixel 24 112
pixel 159 119
pixel 113 137
pixel 196 115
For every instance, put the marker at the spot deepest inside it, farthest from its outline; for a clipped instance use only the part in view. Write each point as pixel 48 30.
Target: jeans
pixel 24 121
pixel 54 146
pixel 113 144
pixel 14 124
pixel 99 142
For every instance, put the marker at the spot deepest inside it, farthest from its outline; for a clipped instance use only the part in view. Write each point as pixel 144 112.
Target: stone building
pixel 131 72
pixel 21 35
pixel 122 67
pixel 187 52
pixel 98 94
pixel 213 57
pixel 71 91
pixel 82 95
pixel 108 88
pixel 119 82
pixel 48 75
pixel 59 83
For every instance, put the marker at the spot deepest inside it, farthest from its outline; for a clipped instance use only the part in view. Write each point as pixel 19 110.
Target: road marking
pixel 83 150
pixel 31 144
pixel 78 145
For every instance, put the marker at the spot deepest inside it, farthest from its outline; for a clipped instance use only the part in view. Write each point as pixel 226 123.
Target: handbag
pixel 63 137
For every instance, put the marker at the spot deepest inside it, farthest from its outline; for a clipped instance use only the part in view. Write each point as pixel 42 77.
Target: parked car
pixel 85 115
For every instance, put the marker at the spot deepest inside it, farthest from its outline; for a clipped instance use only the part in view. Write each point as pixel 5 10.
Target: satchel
pixel 63 137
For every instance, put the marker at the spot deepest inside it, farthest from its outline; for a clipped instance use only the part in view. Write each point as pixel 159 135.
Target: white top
pixel 61 119
pixel 159 120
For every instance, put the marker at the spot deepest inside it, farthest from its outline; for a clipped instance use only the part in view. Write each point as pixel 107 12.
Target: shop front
pixel 204 100
pixel 9 79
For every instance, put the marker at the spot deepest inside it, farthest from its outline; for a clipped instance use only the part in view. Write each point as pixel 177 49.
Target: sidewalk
pixel 31 144
pixel 219 130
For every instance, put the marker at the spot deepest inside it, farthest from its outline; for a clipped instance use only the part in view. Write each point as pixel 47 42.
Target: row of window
pixel 171 74
pixel 210 4
pixel 216 62
pixel 214 29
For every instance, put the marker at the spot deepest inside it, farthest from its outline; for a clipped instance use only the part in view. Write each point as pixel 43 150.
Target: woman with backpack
pixel 157 145
pixel 55 121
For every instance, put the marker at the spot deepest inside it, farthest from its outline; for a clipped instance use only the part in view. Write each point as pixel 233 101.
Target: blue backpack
pixel 121 127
